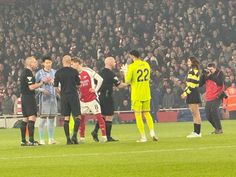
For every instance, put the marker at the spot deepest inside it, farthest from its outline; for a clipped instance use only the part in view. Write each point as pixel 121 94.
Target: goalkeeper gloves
pixel 124 68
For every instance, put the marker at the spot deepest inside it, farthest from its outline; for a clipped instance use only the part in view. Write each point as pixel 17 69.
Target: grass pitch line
pixel 117 153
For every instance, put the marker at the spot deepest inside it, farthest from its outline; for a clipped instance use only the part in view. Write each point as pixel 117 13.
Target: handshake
pixel 47 80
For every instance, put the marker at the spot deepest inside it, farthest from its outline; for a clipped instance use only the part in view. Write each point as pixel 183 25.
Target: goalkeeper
pixel 137 75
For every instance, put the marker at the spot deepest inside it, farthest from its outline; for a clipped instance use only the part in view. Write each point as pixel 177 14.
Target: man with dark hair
pixel 137 74
pixel 47 101
pixel 69 80
pixel 28 101
pixel 213 79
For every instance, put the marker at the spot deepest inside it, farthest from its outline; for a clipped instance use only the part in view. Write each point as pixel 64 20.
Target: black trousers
pixel 213 113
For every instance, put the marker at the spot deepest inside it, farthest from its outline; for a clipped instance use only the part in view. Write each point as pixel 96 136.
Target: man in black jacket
pixel 69 80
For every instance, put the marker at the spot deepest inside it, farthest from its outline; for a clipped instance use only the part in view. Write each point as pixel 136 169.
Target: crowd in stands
pixel 165 32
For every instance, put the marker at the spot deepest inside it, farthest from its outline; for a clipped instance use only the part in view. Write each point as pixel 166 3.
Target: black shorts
pixel 70 104
pixel 107 105
pixel 193 97
pixel 29 106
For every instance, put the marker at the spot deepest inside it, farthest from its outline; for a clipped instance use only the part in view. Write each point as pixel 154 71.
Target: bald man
pixel 29 107
pixel 69 80
pixel 106 98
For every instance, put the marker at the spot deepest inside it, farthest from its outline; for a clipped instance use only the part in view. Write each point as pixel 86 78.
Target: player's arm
pixel 99 80
pixel 129 75
pixel 191 82
pixel 122 85
pixel 38 78
pixel 118 83
pixel 56 84
pixel 34 86
pixel 95 76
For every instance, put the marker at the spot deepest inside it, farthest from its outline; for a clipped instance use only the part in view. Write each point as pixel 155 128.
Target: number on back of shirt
pixel 142 75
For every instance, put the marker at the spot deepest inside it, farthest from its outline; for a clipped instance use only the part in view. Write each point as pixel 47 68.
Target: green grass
pixel 173 156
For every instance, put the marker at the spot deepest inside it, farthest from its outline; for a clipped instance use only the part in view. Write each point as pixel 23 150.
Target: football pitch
pixel 173 156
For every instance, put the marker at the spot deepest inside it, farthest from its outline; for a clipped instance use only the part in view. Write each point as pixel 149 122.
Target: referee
pixel 106 98
pixel 28 101
pixel 69 80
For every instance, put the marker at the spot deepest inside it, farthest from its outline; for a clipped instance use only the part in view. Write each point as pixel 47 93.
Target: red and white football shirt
pixel 86 84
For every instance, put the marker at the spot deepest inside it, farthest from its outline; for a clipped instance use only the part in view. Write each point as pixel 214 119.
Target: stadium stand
pixel 164 31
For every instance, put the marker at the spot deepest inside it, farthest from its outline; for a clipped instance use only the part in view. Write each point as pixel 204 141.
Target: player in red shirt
pixel 88 97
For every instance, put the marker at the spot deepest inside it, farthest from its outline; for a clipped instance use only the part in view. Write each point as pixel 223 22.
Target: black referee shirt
pixel 27 78
pixel 109 79
pixel 69 79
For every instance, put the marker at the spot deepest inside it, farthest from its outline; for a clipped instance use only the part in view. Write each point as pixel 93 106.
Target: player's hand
pixel 51 80
pixel 124 68
pixel 46 80
pixel 183 96
pixel 45 92
pixel 91 90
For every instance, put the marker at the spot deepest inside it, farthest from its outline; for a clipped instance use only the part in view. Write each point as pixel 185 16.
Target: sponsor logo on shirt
pixel 29 79
pixel 116 78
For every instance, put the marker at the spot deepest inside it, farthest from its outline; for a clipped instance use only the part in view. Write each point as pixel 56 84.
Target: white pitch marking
pixel 116 153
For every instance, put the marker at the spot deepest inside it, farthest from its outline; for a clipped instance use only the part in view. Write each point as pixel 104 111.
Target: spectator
pixel 168 99
pixel 125 105
pixel 8 105
pixel 181 28
pixel 155 100
pixel 177 90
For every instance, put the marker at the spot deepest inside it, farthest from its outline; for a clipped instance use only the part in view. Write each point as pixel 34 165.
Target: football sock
pixel 152 133
pixel 108 128
pixel 23 130
pixel 82 126
pixel 139 122
pixel 31 130
pixel 50 127
pixel 42 123
pixel 96 128
pixel 197 128
pixel 66 129
pixel 101 123
pixel 76 126
pixel 149 120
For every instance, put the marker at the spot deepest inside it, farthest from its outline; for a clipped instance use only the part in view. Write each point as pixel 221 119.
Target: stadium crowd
pixel 165 32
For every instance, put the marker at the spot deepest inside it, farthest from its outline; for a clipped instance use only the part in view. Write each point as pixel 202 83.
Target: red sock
pixel 101 123
pixel 82 126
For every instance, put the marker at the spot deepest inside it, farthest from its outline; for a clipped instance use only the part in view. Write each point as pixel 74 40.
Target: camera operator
pixel 213 79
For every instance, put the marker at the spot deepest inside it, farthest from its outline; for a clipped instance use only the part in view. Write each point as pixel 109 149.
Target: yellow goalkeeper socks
pixel 149 120
pixel 139 122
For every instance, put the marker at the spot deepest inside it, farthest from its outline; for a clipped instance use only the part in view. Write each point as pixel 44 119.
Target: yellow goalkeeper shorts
pixel 139 106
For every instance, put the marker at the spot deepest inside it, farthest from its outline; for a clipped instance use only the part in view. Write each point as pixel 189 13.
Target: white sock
pixel 143 136
pixel 50 128
pixel 152 133
pixel 42 123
